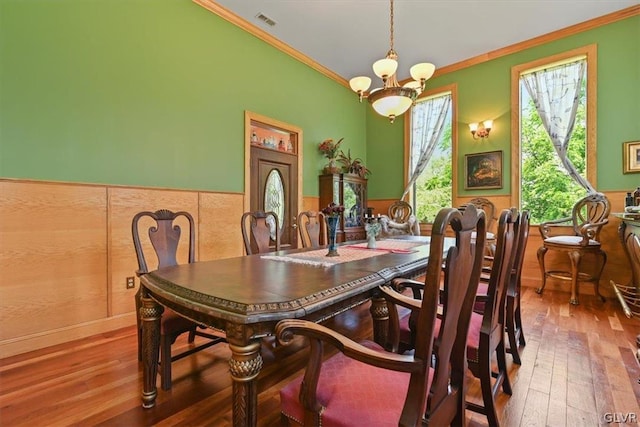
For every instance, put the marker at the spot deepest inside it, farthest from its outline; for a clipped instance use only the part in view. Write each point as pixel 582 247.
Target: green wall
pixel 484 93
pixel 152 93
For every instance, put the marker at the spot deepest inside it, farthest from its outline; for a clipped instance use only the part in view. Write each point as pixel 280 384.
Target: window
pixel 430 170
pixel 542 182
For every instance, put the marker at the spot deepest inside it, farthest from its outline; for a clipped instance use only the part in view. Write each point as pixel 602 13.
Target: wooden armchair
pixel 259 229
pixel 400 220
pixel 588 217
pixel 364 385
pixel 164 236
pixel 486 338
pixel 312 228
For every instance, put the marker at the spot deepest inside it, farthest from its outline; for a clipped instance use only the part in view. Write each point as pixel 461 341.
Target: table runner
pixel 318 258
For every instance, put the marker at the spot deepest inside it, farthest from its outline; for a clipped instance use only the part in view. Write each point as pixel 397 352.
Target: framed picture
pixel 483 170
pixel 631 156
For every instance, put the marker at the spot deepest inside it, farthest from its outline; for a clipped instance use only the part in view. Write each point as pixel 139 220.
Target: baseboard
pixel 24 344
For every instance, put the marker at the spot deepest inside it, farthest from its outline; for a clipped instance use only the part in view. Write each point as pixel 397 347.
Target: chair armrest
pixel 402 300
pixel 546 227
pixel 287 329
pixel 591 231
pixel 401 283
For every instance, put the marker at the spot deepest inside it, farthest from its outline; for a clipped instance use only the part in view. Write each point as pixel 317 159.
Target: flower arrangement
pixel 333 210
pixel 329 148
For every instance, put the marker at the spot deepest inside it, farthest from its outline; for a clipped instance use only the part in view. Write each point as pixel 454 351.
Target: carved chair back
pixel 312 228
pixel 259 230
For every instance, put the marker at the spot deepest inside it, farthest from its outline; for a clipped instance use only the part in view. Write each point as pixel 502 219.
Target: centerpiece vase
pixel 332 227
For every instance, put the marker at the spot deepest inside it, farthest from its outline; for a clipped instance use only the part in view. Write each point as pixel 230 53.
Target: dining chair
pixel 513 320
pixel 588 216
pixel 513 315
pixel 164 235
pixel 365 385
pixel 259 230
pixel 312 228
pixel 400 220
pixel 486 338
pixel 489 209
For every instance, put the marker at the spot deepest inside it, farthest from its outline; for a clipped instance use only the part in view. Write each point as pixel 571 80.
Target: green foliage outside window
pixel 433 189
pixel 547 190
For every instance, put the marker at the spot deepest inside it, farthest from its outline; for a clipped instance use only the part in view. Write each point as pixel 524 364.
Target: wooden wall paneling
pixel 53 257
pixel 124 203
pixel 311 204
pixel 219 231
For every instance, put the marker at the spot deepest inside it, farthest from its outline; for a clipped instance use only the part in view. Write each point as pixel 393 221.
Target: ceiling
pixel 347 36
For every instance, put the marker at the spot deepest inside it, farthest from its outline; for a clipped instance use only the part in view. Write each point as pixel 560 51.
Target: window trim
pixel 590 52
pixel 453 89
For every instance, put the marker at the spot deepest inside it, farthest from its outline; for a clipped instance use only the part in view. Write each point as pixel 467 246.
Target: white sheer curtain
pixel 556 95
pixel 427 120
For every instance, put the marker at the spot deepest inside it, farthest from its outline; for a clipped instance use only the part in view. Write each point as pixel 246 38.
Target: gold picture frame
pixel 483 170
pixel 631 157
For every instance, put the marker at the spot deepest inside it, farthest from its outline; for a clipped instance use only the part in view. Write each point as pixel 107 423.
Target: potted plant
pixel 353 166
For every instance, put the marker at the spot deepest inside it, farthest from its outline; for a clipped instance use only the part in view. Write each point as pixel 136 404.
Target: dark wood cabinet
pixel 349 191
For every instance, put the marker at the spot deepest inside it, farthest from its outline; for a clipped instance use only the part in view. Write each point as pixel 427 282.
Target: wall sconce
pixel 481 129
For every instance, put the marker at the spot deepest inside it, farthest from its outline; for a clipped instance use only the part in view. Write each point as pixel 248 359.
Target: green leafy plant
pixel 350 165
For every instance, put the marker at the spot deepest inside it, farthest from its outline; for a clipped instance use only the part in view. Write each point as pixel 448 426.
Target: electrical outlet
pixel 131 282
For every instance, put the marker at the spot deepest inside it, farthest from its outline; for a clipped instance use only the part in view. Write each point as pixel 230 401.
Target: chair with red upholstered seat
pixel 364 385
pixel 513 316
pixel 486 338
pixel 486 341
pixel 164 234
pixel 312 228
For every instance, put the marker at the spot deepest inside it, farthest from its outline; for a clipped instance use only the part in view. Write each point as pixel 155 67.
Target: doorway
pixel 273 178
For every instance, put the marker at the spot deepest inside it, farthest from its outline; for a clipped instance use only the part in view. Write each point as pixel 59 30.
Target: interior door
pixel 274 187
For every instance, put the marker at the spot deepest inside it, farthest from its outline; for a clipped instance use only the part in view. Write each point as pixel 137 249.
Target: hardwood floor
pixel 578 369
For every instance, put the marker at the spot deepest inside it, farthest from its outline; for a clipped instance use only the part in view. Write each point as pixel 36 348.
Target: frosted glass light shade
pixel 488 124
pixel 422 71
pixel 473 127
pixel 385 67
pixel 392 102
pixel 360 83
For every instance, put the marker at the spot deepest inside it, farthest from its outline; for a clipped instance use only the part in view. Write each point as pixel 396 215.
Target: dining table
pixel 246 296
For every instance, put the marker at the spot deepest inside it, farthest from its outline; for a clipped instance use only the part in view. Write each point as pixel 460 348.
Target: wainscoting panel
pixel 66 250
pixel 220 235
pixel 53 256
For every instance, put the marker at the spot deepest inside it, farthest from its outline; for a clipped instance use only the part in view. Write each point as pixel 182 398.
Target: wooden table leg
pixel 245 365
pixel 150 313
pixel 380 315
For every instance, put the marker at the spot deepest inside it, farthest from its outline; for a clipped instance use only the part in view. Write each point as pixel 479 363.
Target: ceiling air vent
pixel 264 18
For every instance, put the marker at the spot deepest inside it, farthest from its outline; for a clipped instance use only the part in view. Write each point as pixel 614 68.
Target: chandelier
pixel 392 100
